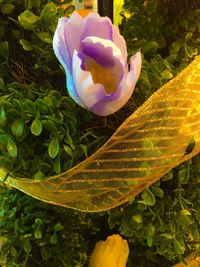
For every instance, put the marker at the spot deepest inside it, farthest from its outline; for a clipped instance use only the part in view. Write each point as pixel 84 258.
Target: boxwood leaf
pixel 36 127
pixel 27 20
pixel 26 45
pixel 148 198
pixel 17 127
pixel 53 148
pixel 12 148
pixel 2 117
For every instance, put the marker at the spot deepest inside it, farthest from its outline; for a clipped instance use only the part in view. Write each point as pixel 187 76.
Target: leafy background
pixel 42 132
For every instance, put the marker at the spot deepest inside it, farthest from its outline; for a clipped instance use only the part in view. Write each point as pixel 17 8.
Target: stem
pixel 105 8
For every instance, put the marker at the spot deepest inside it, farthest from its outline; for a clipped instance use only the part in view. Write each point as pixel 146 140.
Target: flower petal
pixel 62 53
pixel 87 91
pixel 119 41
pixel 101 50
pixel 135 67
pixel 112 103
pixel 94 25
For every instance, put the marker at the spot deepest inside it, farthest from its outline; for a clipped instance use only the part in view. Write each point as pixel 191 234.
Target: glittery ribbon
pixel 151 142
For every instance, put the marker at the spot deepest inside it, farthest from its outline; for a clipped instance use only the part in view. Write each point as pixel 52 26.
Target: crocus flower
pixel 94 56
pixel 110 253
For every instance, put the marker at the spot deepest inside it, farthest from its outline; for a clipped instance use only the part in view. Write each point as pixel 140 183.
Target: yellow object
pixel 118 8
pixel 151 142
pixel 110 253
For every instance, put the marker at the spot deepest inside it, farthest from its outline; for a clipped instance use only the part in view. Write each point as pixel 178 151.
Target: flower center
pixel 103 75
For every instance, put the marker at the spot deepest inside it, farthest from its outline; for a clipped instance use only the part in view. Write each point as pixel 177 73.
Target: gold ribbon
pixel 151 142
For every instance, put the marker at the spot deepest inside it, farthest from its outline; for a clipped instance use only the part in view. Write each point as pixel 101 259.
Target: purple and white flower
pixel 94 56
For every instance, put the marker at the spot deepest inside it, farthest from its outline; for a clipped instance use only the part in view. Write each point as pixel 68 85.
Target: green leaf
pixel 157 191
pixel 150 47
pixel 44 253
pixel 188 50
pixel 69 10
pixel 12 148
pixel 4 50
pixel 2 117
pixel 13 251
pixel 166 74
pixel 27 20
pixel 54 239
pixel 179 249
pixel 39 175
pixel 7 8
pixel 68 150
pixel 148 198
pixel 36 127
pixel 49 11
pixel 183 176
pixel 85 149
pixel 57 167
pixel 38 233
pixel 26 45
pixel 58 227
pixel 17 127
pixel 137 218
pixel 45 37
pixel 188 36
pixel 27 246
pixel 53 148
pixel 32 3
pixel 2 85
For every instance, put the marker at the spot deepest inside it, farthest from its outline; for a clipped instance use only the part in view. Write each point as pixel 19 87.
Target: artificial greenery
pixel 43 132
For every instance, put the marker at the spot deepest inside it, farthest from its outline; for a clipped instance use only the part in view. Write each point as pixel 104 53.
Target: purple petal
pixel 88 92
pixel 62 53
pixel 135 65
pixel 72 30
pixel 101 50
pixel 112 103
pixel 119 41
pixel 94 25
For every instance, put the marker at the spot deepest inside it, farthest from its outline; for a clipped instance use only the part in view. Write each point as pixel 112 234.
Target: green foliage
pixel 42 132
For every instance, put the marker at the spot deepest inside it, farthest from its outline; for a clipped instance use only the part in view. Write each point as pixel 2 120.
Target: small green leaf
pixel 49 11
pixel 2 85
pixel 188 36
pixel 57 167
pixel 27 246
pixel 38 233
pixel 27 20
pixel 39 175
pixel 2 117
pixel 85 149
pixel 12 148
pixel 58 227
pixel 69 10
pixel 150 47
pixel 4 50
pixel 13 251
pixel 137 218
pixel 7 8
pixel 68 150
pixel 44 253
pixel 166 74
pixel 54 239
pixel 45 37
pixel 17 127
pixel 26 45
pixel 179 249
pixel 36 127
pixel 148 198
pixel 53 148
pixel 188 50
